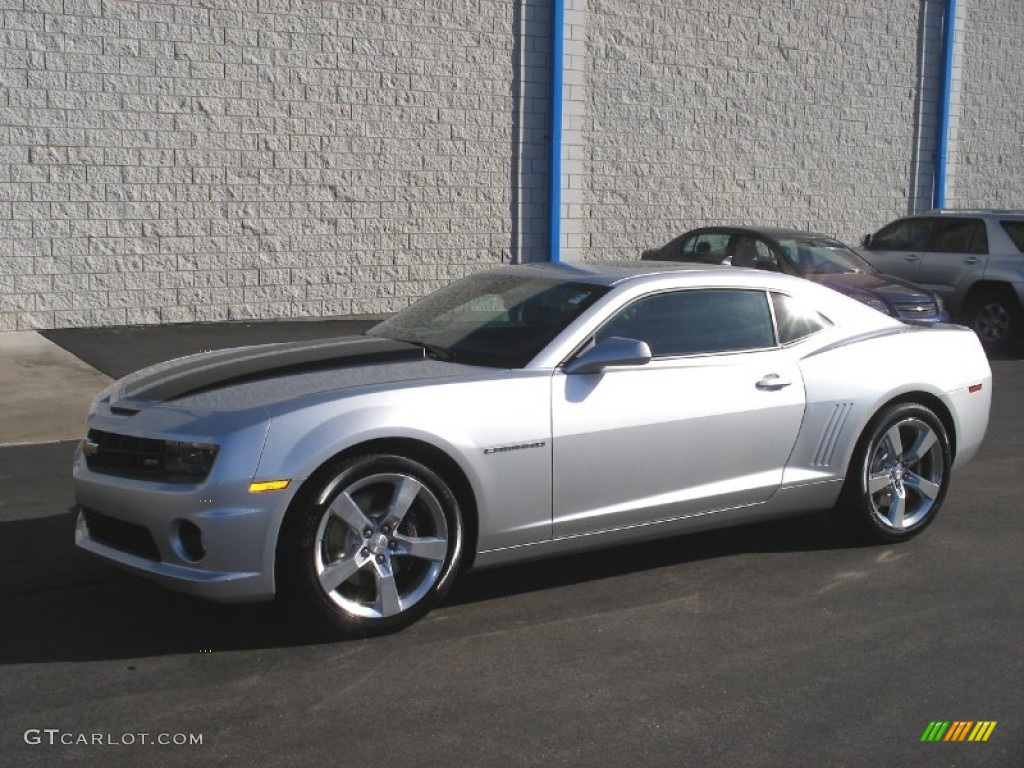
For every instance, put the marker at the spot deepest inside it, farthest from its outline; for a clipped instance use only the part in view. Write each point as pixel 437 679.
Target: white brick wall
pixel 165 162
pixel 710 111
pixel 989 169
pixel 173 161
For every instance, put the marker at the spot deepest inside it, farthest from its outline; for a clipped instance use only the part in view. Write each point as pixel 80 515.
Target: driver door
pixel 707 425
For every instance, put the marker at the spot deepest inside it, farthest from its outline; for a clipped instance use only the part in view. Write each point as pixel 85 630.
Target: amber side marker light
pixel 268 485
pixel 974 388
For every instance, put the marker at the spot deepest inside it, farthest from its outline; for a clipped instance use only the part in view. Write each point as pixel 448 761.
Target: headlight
pixel 143 458
pixel 189 461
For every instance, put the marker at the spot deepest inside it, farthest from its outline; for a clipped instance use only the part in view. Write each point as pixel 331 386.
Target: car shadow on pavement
pixel 60 604
pixel 808 532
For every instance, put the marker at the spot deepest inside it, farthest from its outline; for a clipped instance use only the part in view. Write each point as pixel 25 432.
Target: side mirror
pixel 866 241
pixel 612 352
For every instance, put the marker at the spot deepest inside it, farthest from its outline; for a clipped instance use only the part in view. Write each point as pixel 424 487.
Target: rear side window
pixel 903 235
pixel 795 320
pixel 711 248
pixel 1015 229
pixel 959 236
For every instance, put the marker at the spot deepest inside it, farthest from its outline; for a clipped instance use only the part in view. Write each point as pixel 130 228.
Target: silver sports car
pixel 519 413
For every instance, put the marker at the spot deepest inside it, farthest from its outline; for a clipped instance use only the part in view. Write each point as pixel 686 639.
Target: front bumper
pixel 213 539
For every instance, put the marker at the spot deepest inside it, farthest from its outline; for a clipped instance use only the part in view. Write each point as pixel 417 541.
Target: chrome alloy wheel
pixel 905 473
pixel 381 545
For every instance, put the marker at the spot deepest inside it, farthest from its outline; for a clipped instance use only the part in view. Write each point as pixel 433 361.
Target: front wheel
pixel 374 548
pixel 899 473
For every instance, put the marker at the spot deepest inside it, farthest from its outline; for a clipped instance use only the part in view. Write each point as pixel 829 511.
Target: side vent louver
pixel 823 454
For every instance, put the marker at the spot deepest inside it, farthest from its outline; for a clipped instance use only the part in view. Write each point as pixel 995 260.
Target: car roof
pixel 614 273
pixel 982 212
pixel 608 272
pixel 776 233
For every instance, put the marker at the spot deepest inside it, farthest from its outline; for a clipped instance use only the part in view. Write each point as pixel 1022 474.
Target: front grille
pixel 143 458
pixel 918 310
pixel 126 537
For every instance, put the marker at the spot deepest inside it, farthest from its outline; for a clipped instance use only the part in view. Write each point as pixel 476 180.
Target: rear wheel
pixel 899 473
pixel 995 315
pixel 374 548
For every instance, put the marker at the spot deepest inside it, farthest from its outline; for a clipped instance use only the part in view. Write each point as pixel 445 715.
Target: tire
pixel 373 548
pixel 995 315
pixel 899 473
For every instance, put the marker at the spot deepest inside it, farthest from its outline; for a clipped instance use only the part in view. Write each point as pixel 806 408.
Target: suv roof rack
pixel 977 211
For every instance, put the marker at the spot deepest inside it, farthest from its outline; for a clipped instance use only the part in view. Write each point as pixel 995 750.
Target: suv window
pixel 1015 229
pixel 959 236
pixel 903 235
pixel 696 322
pixel 795 320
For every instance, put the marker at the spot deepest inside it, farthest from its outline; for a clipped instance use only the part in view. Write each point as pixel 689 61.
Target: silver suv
pixel 973 259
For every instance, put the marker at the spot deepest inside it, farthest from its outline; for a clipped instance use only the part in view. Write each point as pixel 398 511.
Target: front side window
pixel 903 235
pixel 959 236
pixel 753 253
pixel 696 322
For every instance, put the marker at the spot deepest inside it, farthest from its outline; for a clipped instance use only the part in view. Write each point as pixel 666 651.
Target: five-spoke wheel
pixel 378 546
pixel 898 477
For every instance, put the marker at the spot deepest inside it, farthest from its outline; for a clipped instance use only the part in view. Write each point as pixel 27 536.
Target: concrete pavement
pixel 45 390
pixel 48 378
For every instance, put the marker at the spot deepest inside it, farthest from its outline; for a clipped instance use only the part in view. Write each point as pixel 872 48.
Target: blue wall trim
pixel 555 159
pixel 945 105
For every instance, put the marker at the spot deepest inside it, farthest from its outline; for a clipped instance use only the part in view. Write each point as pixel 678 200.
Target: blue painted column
pixel 555 157
pixel 945 105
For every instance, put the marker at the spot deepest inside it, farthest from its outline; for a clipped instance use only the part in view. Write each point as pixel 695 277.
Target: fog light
pixel 190 537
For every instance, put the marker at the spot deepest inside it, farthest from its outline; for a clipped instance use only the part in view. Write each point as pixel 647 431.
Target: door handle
pixel 772 382
pixel 912 257
pixel 971 260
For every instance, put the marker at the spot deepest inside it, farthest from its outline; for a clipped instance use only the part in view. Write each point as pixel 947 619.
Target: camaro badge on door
pixel 518 447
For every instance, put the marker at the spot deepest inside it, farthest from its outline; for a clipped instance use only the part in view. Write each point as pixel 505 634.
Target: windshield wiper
pixel 434 351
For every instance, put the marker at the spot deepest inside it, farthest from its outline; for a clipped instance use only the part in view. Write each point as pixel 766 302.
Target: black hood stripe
pixel 248 364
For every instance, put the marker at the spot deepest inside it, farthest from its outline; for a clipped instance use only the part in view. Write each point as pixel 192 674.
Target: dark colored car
pixel 815 257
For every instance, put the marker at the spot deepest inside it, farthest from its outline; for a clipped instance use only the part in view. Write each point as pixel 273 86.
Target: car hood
pixel 891 290
pixel 260 376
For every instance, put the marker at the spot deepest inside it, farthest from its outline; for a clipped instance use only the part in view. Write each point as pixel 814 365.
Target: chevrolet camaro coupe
pixel 519 413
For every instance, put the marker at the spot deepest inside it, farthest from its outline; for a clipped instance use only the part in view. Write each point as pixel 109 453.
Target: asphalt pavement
pixel 778 644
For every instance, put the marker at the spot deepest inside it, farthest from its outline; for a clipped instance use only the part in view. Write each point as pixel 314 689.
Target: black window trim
pixel 589 341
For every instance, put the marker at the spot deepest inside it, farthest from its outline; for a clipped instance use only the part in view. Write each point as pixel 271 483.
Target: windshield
pixel 823 256
pixel 491 318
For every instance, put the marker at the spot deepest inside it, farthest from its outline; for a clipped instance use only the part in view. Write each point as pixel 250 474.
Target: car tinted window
pixel 1015 229
pixel 491 318
pixel 821 256
pixel 959 236
pixel 795 320
pixel 753 253
pixel 710 247
pixel 903 235
pixel 696 322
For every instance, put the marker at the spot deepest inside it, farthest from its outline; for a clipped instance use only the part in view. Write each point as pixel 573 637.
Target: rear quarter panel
pixel 848 383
